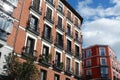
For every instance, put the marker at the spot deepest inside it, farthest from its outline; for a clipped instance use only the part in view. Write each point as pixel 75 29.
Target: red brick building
pixel 49 30
pixel 100 63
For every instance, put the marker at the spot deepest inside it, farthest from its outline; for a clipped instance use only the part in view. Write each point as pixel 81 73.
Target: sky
pixel 101 23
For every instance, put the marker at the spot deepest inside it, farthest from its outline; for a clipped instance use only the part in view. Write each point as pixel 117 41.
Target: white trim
pixel 22 28
pixel 48 4
pixel 56 50
pixel 57 30
pixel 31 36
pixel 77 44
pixel 70 61
pixel 47 23
pixel 31 12
pixel 68 39
pixel 44 43
pixel 8 47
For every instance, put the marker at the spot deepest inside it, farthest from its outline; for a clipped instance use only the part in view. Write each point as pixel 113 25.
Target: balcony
pixel 50 20
pixel 59 44
pixel 69 70
pixel 47 38
pixel 77 75
pixel 45 60
pixel 51 3
pixel 69 34
pixel 33 28
pixel 58 66
pixel 29 55
pixel 3 35
pixel 60 27
pixel 68 51
pixel 35 9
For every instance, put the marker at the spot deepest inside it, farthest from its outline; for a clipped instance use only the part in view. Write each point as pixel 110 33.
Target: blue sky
pixel 101 22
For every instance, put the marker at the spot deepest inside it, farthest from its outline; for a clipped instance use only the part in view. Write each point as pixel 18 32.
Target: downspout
pixel 14 44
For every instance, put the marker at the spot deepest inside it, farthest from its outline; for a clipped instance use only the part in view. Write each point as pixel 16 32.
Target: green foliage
pixel 21 70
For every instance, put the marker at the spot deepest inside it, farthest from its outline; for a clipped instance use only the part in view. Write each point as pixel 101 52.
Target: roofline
pixel 72 9
pixel 100 45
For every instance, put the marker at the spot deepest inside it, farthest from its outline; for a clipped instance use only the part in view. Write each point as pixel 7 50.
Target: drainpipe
pixel 14 44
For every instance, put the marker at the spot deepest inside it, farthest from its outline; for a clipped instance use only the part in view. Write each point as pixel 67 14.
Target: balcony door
pixel 30 45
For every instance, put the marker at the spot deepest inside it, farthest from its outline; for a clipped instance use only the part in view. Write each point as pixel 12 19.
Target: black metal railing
pixel 69 70
pixel 45 59
pixel 78 40
pixel 60 27
pixel 48 38
pixel 51 2
pixel 70 19
pixel 88 77
pixel 49 19
pixel 61 11
pixel 68 50
pixel 77 55
pixel 58 65
pixel 29 54
pixel 69 34
pixel 33 28
pixel 59 44
pixel 36 9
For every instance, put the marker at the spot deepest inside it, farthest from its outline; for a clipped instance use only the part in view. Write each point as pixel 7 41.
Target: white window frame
pixel 88 53
pixel 101 51
pixel 88 62
pixel 101 61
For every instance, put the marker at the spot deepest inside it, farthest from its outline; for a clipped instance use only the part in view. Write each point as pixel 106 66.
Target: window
pixel 68 66
pixel 60 7
pixel 76 35
pixel 13 2
pixel 88 63
pixel 59 21
pixel 59 40
pixel 43 75
pixel 30 45
pixel 76 22
pixel 88 72
pixel 69 15
pixel 104 72
pixel 103 61
pixel 6 24
pixel 88 53
pixel 33 22
pixel 49 13
pixel 68 29
pixel 102 51
pixel 47 32
pixel 50 1
pixel 68 46
pixel 45 50
pixel 76 68
pixel 36 4
pixel 57 77
pixel 57 58
pixel 0 54
pixel 77 51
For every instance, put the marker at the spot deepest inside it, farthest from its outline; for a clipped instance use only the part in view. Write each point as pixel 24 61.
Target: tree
pixel 17 70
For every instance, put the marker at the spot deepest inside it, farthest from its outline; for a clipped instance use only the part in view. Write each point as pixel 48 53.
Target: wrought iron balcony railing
pixel 33 28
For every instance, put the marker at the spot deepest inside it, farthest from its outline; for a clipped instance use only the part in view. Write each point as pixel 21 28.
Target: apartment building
pixel 100 63
pixel 49 32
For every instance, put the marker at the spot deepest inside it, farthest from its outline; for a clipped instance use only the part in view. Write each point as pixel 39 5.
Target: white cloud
pixel 102 31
